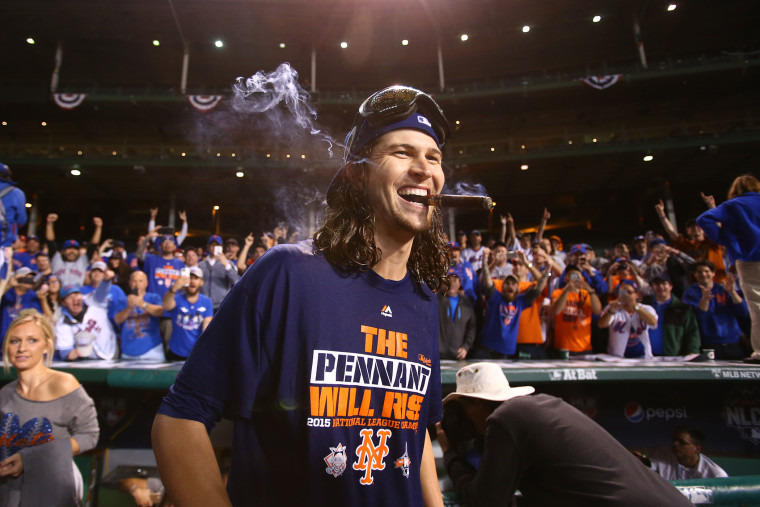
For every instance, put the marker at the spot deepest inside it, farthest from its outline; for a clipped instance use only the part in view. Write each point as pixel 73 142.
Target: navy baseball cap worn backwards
pixel 393 108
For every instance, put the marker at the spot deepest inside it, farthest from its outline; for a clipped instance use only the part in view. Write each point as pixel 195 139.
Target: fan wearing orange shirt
pixel 573 306
pixel 530 338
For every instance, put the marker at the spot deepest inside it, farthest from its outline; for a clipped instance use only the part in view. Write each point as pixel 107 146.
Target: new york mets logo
pixel 370 456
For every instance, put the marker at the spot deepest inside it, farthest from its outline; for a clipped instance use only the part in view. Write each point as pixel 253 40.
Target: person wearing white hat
pixel 550 451
pixel 116 299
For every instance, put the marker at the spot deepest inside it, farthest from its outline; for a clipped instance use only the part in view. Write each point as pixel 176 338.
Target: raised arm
pixel 169 302
pixel 486 283
pixel 152 221
pixel 98 231
pixel 511 233
pixel 708 199
pixel 247 243
pixel 52 218
pixel 140 253
pixel 183 231
pixel 666 223
pixel 542 225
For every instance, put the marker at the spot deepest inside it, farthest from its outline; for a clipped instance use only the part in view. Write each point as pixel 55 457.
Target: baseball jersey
pixel 474 257
pixel 187 319
pixel 332 380
pixel 69 273
pixel 629 334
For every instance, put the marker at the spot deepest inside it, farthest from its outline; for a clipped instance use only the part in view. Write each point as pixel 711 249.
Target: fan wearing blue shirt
pixel 718 308
pixel 191 312
pixel 140 332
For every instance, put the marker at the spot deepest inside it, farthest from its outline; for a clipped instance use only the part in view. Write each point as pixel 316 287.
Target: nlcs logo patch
pixel 370 456
pixel 336 460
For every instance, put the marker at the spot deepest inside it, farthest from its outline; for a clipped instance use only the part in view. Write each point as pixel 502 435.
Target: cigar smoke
pixel 281 97
pixel 268 111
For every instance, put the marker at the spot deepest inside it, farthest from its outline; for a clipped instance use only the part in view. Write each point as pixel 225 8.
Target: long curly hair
pixel 347 237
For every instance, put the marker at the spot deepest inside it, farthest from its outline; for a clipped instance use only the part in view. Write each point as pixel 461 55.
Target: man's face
pixel 138 281
pixel 509 289
pixel 231 250
pixel 475 240
pixel 96 276
pixel 210 248
pixel 43 262
pixel 686 451
pixel 258 252
pixel 640 247
pixel 695 233
pixel 168 246
pixel 500 255
pixel 704 275
pixel 70 254
pixel 454 285
pixel 32 246
pixel 627 294
pixel 526 240
pixel 191 257
pixel 659 253
pixel 73 303
pixel 402 162
pixel 577 259
pixel 195 285
pixel 662 290
pixel 620 250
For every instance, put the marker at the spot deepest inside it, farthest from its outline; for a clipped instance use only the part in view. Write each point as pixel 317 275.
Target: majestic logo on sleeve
pixel 370 456
pixel 336 460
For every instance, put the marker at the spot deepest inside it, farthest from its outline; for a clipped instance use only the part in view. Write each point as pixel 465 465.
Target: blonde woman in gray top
pixel 46 418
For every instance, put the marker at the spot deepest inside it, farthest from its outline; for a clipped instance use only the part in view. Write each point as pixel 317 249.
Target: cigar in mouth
pixel 453 201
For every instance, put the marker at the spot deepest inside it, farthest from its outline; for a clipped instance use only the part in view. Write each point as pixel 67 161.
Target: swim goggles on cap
pixel 388 106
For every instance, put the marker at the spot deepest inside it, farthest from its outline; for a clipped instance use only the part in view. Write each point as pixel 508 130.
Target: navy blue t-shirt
pixel 332 380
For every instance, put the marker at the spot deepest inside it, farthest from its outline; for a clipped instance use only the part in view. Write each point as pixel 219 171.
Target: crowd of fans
pixel 107 303
pixel 512 295
pixel 519 295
